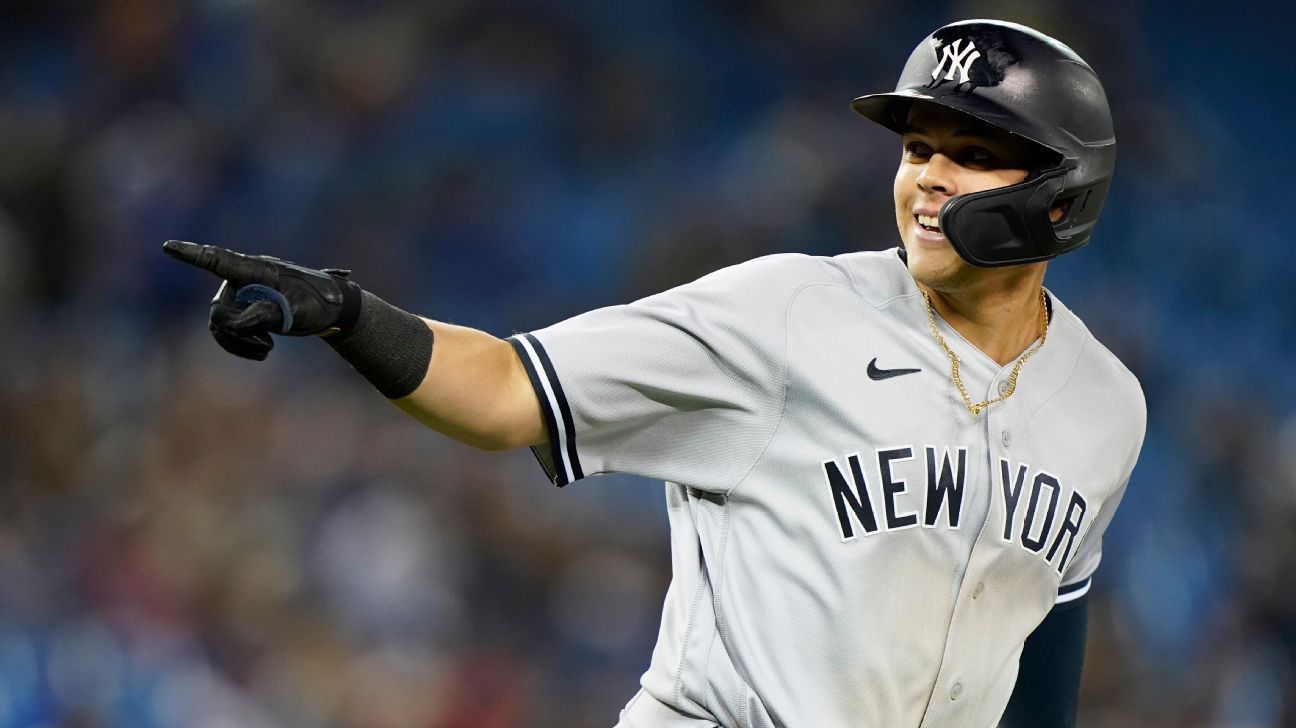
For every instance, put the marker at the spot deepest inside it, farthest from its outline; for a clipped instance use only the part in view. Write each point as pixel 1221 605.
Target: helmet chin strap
pixel 1006 225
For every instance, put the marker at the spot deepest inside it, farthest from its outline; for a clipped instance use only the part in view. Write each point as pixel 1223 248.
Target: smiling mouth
pixel 928 223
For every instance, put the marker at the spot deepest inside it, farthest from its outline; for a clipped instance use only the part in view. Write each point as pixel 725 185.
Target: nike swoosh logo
pixel 878 374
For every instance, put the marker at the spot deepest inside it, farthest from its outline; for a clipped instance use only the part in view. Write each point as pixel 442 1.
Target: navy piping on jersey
pixel 554 407
pixel 1072 592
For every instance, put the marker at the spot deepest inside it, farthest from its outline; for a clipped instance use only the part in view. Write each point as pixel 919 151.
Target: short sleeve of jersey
pixel 685 386
pixel 1079 574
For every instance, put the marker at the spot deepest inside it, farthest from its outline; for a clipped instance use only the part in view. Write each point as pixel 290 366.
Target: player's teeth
pixel 928 221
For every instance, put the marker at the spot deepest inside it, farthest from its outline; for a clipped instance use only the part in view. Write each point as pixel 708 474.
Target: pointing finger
pixel 234 267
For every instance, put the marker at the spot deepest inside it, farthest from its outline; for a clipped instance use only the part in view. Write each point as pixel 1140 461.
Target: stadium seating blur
pixel 189 539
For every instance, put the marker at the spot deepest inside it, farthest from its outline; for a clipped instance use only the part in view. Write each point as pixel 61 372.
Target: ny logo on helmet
pixel 960 60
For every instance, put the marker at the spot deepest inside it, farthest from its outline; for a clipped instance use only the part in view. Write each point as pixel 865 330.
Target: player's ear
pixel 1059 210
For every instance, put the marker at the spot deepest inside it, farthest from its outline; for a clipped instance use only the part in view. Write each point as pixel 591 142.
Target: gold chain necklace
pixel 977 408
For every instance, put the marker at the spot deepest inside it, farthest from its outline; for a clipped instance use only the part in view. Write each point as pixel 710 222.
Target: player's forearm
pixel 461 382
pixel 476 391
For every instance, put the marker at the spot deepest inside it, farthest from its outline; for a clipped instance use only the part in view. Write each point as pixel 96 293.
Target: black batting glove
pixel 261 295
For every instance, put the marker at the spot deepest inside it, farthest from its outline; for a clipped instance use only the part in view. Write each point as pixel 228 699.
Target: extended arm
pixel 463 383
pixel 1048 680
pixel 476 391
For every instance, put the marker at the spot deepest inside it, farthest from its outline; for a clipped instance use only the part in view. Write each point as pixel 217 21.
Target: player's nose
pixel 937 175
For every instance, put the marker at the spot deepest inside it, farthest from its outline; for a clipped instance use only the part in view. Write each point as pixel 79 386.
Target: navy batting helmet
pixel 1028 84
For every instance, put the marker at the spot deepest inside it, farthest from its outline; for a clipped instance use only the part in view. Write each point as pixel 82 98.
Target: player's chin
pixel 932 263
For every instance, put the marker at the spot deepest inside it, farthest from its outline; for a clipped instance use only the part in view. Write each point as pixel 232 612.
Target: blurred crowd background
pixel 188 539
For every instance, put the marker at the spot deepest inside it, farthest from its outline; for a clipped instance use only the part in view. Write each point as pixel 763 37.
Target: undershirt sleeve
pixel 1048 678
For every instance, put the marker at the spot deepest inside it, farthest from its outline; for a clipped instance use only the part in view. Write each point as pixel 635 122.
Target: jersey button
pixel 979 590
pixel 956 692
pixel 1005 438
pixel 1003 387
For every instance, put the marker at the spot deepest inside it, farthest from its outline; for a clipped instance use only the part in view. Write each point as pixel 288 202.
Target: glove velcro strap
pixel 352 302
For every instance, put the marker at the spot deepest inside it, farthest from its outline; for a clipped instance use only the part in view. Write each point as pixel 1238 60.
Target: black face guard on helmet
pixel 1028 84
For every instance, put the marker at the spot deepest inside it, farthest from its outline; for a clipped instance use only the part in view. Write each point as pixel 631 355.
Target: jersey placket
pixel 955 695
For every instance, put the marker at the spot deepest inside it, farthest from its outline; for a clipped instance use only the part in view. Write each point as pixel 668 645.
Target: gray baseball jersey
pixel 850 546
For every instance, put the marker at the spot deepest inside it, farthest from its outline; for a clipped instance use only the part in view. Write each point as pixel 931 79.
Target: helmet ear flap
pixel 1006 225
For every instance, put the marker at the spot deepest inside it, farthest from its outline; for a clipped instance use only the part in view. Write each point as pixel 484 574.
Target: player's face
pixel 944 154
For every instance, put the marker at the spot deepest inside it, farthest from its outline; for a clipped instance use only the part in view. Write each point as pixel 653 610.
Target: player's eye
pixel 978 157
pixel 916 150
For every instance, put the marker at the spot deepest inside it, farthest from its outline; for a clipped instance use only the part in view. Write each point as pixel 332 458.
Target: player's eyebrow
pixel 967 131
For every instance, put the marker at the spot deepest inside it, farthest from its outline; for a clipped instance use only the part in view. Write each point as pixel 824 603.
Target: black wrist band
pixel 388 346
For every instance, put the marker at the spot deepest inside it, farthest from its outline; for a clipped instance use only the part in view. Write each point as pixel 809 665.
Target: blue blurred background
pixel 188 539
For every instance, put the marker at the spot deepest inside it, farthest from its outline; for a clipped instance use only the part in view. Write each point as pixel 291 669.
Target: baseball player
pixel 888 474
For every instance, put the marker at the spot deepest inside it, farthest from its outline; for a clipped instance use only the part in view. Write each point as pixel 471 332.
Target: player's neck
pixel 1001 319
